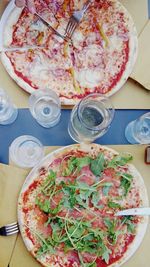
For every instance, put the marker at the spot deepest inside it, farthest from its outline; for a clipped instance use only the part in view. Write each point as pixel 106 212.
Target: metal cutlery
pixel 49 26
pixel 9 229
pixel 75 20
pixel 13 228
pixel 134 211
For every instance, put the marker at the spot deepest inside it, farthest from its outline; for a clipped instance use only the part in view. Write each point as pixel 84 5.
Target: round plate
pixel 89 81
pixel 44 166
pixel 3 21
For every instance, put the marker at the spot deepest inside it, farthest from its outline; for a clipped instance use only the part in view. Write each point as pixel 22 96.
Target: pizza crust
pixel 133 44
pixel 92 149
pixel 8 66
pixel 13 18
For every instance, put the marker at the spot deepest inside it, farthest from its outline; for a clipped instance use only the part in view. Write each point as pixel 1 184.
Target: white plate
pixel 4 19
pixel 46 163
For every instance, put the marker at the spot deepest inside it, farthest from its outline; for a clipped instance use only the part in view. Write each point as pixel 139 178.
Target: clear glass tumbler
pixel 91 118
pixel 26 151
pixel 45 107
pixel 138 131
pixel 8 111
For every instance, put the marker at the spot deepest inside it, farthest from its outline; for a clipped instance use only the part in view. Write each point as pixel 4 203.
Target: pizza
pixel 67 208
pixel 98 59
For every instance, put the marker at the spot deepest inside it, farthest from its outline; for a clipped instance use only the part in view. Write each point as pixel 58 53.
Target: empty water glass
pixel 8 111
pixel 26 151
pixel 45 107
pixel 91 118
pixel 138 131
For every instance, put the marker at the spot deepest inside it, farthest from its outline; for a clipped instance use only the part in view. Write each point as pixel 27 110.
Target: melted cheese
pixel 38 26
pixel 97 65
pixel 78 39
pixel 89 78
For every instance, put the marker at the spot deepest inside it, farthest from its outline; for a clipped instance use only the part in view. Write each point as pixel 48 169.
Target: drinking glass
pixel 45 107
pixel 91 118
pixel 138 131
pixel 26 151
pixel 8 111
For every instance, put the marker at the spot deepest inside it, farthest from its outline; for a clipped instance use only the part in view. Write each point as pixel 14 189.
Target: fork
pixel 9 229
pixel 75 20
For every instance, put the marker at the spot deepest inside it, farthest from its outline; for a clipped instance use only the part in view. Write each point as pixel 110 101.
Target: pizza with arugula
pixel 99 58
pixel 67 208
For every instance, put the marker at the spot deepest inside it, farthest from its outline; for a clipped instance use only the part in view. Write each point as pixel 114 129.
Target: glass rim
pixel 100 126
pixel 136 125
pixel 17 143
pixel 44 92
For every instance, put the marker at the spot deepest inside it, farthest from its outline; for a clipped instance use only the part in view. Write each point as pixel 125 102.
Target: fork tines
pixel 9 229
pixel 71 26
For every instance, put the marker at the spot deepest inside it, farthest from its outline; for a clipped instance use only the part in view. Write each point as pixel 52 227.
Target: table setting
pixel 74 149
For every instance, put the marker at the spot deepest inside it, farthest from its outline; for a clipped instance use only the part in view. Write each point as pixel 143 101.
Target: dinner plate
pixel 56 70
pixel 3 21
pixel 43 167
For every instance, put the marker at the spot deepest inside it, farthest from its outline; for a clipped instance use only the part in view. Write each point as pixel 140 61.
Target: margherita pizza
pixel 67 208
pixel 99 58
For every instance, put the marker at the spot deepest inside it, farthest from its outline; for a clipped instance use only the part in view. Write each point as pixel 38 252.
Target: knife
pixel 49 26
pixel 134 211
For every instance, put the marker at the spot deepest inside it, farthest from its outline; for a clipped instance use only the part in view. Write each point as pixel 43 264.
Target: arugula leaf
pixel 109 223
pixel 49 220
pixel 43 205
pixel 103 251
pixel 57 209
pixel 70 167
pixel 82 162
pixel 69 198
pixel 50 178
pixel 130 225
pixel 81 202
pixel 74 163
pixel 45 247
pixel 51 175
pixel 106 254
pixel 95 199
pixel 76 231
pixel 111 230
pixel 48 183
pixel 126 181
pixel 119 160
pixel 106 189
pixel 112 204
pixel 97 165
pixel 99 234
pixel 91 264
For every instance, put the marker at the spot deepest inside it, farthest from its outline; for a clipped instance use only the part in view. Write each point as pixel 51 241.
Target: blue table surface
pixel 58 135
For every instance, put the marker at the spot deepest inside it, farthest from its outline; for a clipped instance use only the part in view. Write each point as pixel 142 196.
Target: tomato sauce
pixel 102 263
pixel 28 234
pixel 113 82
pixel 23 15
pixel 31 188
